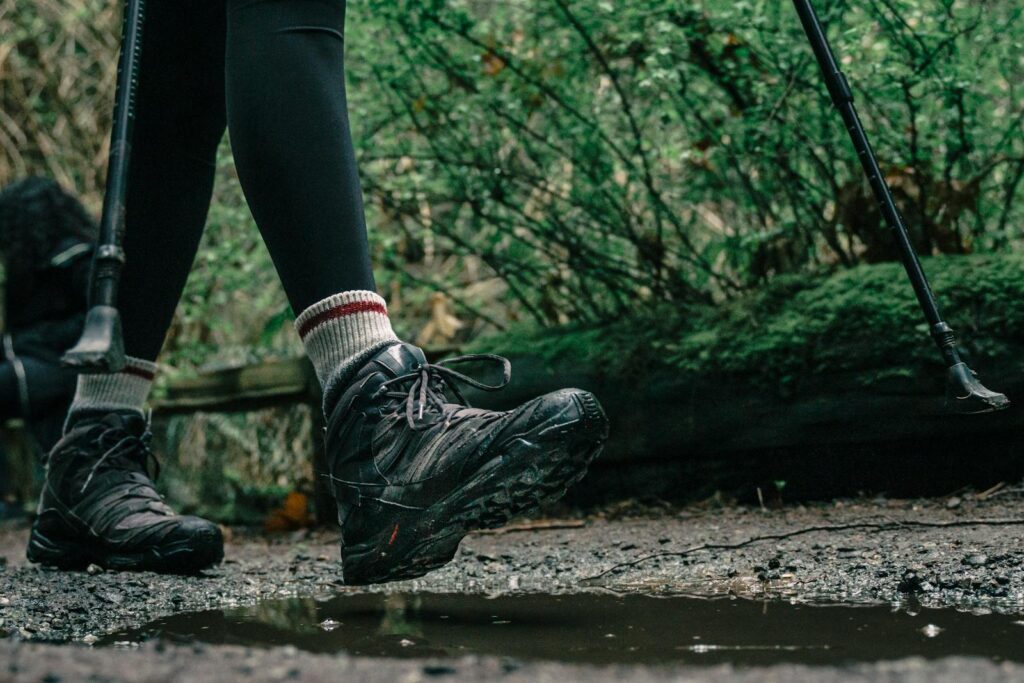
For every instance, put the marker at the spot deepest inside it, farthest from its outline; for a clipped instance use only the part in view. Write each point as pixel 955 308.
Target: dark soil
pixel 880 551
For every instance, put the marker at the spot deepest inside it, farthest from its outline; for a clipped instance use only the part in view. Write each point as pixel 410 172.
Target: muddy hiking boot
pixel 99 506
pixel 413 472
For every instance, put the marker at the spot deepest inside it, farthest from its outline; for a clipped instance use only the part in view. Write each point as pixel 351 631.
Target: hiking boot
pixel 99 506
pixel 413 473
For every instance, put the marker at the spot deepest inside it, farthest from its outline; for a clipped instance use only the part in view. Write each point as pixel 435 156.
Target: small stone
pixel 976 560
pixel 931 630
pixel 405 642
pixel 329 625
pixel 90 639
pixel 910 583
pixel 439 670
pixel 953 502
pixel 93 569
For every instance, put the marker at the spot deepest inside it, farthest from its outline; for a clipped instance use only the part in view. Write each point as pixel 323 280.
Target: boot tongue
pixel 400 359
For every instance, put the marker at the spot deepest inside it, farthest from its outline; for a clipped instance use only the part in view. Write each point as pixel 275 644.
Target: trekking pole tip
pixel 100 349
pixel 967 396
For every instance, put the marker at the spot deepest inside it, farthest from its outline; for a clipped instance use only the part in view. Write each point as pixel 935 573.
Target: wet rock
pixel 439 670
pixel 910 582
pixel 976 560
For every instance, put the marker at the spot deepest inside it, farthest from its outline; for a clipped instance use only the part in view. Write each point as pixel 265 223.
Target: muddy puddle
pixel 594 628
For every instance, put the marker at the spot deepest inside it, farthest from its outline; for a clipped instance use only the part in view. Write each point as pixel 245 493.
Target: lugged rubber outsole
pixel 201 551
pixel 519 481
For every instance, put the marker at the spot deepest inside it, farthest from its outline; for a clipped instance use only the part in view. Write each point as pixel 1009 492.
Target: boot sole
pixel 536 468
pixel 190 556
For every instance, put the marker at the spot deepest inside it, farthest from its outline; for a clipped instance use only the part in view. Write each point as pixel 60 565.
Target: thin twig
pixel 876 526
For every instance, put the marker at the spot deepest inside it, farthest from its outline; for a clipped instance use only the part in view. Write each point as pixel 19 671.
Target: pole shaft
pixel 109 255
pixel 842 98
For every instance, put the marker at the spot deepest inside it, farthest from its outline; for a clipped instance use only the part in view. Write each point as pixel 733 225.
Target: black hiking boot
pixel 99 506
pixel 412 473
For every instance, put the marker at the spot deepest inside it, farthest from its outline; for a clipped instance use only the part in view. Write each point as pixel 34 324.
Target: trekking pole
pixel 101 346
pixel 964 393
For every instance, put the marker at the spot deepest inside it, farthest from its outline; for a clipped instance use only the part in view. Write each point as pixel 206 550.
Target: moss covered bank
pixel 862 322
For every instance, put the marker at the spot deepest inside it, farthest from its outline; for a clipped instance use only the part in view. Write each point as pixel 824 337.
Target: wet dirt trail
pixel 277 610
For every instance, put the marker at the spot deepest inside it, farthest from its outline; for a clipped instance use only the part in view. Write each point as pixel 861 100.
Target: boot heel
pixel 52 551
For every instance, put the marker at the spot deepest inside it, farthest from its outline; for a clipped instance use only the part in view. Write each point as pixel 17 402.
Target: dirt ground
pixel 962 551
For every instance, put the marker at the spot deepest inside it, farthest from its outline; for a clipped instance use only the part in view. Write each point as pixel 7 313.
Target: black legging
pixel 272 71
pixel 50 388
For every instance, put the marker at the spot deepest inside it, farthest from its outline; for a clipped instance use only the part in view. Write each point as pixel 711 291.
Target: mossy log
pixel 806 361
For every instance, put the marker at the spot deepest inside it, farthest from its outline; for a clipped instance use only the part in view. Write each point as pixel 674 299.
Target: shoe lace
pixel 124 449
pixel 428 383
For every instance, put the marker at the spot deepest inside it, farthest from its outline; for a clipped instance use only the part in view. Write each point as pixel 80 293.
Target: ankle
pixel 119 392
pixel 340 333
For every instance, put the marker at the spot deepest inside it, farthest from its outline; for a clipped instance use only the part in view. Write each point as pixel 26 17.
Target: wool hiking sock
pixel 124 391
pixel 340 333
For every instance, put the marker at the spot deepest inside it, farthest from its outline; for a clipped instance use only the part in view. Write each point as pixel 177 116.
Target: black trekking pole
pixel 964 393
pixel 101 347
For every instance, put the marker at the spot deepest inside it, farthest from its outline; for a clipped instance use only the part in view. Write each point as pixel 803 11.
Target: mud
pixel 968 566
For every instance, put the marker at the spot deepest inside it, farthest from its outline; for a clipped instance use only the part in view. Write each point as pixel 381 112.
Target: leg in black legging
pixel 288 124
pixel 180 122
pixel 49 388
pixel 10 394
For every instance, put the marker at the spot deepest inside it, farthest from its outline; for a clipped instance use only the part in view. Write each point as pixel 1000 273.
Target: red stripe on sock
pixel 139 372
pixel 341 312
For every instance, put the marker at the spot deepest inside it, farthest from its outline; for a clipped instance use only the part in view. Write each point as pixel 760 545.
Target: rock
pixel 953 502
pixel 94 569
pixel 439 670
pixel 976 560
pixel 910 583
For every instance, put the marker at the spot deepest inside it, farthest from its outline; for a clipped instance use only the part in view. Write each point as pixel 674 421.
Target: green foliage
pixel 572 161
pixel 600 156
pixel 857 320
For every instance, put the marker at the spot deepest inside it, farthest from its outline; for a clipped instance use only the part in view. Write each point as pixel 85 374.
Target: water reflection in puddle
pixel 594 628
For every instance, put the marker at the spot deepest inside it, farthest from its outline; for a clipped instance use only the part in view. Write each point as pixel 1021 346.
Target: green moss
pixel 865 318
